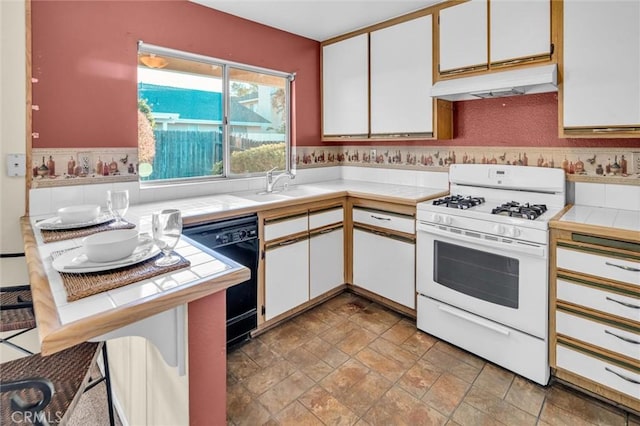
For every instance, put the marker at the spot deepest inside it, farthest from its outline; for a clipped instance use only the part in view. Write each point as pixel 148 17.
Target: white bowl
pixel 79 214
pixel 110 245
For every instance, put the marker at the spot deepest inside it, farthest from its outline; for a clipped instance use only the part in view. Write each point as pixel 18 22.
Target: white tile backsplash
pixel 48 200
pixel 39 201
pixel 97 194
pixel 397 176
pixel 63 196
pixel 590 194
pixel 625 197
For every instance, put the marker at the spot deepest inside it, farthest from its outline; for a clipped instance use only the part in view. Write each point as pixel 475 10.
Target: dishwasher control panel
pixel 236 235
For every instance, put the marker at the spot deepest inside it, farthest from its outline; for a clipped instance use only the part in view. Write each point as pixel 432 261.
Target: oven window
pixel 476 273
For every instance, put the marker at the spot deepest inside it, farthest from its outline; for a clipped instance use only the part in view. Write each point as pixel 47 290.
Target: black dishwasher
pixel 236 239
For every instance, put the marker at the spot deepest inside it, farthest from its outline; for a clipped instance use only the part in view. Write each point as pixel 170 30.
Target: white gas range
pixel 482 263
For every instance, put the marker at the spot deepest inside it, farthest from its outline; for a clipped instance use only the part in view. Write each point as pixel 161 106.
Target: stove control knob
pixel 437 218
pixel 513 232
pixel 498 229
pixel 446 220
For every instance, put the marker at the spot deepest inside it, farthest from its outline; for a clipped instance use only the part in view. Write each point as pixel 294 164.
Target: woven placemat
pixel 90 283
pixel 50 235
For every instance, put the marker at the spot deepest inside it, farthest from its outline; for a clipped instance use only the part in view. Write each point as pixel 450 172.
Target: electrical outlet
pixel 372 153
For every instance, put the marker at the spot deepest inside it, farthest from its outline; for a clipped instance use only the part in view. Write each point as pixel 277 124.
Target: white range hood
pixel 522 81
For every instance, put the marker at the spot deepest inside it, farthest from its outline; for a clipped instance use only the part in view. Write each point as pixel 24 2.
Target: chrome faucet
pixel 271 181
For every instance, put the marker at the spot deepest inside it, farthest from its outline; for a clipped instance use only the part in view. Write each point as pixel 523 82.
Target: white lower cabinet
pixel 384 265
pixel 286 276
pixel 326 257
pixel 607 374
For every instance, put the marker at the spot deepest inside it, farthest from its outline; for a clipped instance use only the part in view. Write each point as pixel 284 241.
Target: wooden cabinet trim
pixel 286 240
pixel 385 206
pixel 599 353
pixel 499 66
pixel 325 229
pixel 593 315
pixel 562 234
pixel 624 289
pixel 386 232
pixel 589 248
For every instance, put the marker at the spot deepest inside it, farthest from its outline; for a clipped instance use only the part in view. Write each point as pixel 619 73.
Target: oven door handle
pixel 482 323
pixel 507 247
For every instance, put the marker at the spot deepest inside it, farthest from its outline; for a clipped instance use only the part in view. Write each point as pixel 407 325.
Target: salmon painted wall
pixel 530 120
pixel 85 58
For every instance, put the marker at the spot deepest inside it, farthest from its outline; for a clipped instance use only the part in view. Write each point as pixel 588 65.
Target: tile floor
pixel 351 361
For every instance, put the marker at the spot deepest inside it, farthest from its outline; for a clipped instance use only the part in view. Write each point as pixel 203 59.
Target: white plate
pixel 75 261
pixel 55 223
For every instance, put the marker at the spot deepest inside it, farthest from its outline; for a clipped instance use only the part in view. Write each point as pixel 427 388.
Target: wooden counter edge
pixel 602 231
pixel 55 337
pixel 44 305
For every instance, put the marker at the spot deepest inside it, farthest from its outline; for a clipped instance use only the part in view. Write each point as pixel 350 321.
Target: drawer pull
pixel 288 243
pixel 628 305
pixel 622 376
pixel 626 339
pixel 379 217
pixel 625 267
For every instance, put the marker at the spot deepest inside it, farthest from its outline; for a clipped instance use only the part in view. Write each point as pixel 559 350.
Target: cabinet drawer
pixel 598 265
pixel 602 372
pixel 599 299
pixel 326 217
pixel 605 336
pixel 391 221
pixel 282 228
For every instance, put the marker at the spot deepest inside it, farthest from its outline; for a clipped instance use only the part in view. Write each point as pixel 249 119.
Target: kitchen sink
pixel 264 197
pixel 282 195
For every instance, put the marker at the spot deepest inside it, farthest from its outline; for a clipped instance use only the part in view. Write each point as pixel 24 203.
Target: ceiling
pixel 317 19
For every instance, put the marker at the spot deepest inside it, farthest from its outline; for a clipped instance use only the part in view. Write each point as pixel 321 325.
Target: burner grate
pixel 459 201
pixel 525 211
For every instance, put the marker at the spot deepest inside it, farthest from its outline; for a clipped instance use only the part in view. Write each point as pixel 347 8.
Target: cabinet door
pixel 519 29
pixel 345 87
pixel 385 266
pixel 401 78
pixel 601 63
pixel 286 276
pixel 326 257
pixel 463 36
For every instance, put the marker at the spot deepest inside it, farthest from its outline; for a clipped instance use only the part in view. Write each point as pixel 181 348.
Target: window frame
pixel 289 78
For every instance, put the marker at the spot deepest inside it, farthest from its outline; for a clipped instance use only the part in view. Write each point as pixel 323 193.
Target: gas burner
pixel 459 201
pixel 525 211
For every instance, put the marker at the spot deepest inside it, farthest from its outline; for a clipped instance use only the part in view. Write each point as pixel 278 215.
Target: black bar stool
pixel 45 389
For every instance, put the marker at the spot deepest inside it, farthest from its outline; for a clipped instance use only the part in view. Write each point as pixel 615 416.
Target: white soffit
pixel 317 19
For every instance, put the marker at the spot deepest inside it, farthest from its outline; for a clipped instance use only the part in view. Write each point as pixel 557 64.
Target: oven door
pixel 502 281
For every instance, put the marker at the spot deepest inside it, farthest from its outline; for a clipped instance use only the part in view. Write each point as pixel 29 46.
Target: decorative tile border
pixel 79 166
pixel 66 166
pixel 584 162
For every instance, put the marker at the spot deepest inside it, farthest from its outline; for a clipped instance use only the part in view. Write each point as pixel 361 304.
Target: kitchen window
pixel 205 118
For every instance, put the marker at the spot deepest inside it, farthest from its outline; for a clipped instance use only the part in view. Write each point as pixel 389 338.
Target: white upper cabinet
pixel 345 87
pixel 601 63
pixel 401 78
pixel 519 29
pixel 463 36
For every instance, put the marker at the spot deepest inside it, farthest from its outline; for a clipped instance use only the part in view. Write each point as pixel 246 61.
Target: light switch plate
pixel 16 164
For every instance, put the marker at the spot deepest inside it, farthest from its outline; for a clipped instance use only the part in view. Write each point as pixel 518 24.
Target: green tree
pixel 240 89
pixel 146 138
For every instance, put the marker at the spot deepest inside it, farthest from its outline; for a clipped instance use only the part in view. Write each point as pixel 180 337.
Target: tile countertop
pixel 63 324
pixel 617 223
